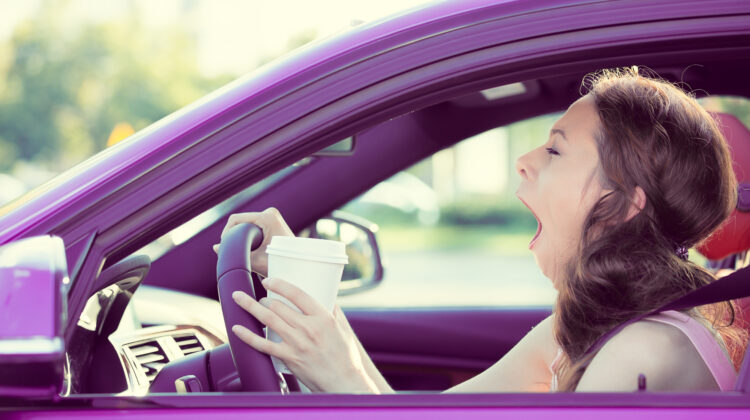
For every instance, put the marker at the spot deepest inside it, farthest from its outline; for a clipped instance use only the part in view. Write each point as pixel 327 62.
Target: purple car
pixel 101 316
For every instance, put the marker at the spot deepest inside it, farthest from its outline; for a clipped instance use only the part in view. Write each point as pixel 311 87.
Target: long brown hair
pixel 655 136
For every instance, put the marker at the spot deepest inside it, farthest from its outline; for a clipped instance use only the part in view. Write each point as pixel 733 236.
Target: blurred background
pixel 77 76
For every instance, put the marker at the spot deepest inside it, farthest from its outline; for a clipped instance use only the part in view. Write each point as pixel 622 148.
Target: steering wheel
pixel 255 369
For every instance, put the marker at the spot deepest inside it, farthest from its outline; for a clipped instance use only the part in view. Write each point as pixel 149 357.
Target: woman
pixel 631 176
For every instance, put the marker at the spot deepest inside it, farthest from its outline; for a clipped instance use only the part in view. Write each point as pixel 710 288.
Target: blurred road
pixel 456 278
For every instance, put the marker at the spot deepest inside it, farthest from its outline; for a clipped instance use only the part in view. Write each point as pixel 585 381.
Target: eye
pixel 552 151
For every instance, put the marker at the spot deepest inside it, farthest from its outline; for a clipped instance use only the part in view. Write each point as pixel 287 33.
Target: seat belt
pixel 732 286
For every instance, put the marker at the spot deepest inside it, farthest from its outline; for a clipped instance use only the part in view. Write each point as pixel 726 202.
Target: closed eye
pixel 552 151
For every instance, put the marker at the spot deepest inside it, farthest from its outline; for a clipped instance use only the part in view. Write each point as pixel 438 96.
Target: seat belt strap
pixel 732 286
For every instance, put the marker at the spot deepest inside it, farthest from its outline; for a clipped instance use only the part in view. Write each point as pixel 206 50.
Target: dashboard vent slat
pixel 143 349
pixel 150 356
pixel 189 344
pixel 155 366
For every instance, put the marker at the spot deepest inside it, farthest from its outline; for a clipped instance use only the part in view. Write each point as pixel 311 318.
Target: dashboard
pixel 157 326
pixel 173 325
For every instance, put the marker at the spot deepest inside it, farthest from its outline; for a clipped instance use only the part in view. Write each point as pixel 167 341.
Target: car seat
pixel 732 240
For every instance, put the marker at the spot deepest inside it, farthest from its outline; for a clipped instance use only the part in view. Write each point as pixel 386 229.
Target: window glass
pixel 451 230
pixel 453 233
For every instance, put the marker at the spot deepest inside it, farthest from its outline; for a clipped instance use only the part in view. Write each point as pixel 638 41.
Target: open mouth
pixel 538 224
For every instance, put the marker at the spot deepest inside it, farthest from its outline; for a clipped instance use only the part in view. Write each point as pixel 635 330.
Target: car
pixel 109 283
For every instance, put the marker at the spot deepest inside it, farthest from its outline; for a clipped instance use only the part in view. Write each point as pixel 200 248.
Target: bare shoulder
pixel 661 352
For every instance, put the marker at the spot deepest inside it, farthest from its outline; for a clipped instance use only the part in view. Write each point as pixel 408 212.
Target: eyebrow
pixel 558 131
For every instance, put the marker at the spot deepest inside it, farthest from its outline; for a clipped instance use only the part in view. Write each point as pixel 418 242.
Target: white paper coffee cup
pixel 313 265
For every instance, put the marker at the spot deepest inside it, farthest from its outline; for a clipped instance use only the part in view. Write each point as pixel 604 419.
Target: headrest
pixel 734 235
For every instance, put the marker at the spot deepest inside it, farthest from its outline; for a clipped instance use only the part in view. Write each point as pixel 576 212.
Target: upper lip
pixel 527 205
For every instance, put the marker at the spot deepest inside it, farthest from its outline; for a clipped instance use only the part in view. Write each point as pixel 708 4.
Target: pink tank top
pixel 709 349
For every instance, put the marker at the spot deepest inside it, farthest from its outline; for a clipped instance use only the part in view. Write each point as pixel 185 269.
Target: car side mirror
pixel 365 268
pixel 33 304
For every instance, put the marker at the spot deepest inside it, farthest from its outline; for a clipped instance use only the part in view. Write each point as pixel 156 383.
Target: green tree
pixel 63 89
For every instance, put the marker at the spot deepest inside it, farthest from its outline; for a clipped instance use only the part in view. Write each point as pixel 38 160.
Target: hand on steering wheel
pixel 318 346
pixel 233 273
pixel 271 223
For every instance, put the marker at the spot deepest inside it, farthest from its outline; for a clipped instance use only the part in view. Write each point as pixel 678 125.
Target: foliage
pixel 510 215
pixel 490 239
pixel 63 88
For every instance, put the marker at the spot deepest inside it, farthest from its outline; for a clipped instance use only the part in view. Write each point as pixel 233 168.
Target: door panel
pixel 436 348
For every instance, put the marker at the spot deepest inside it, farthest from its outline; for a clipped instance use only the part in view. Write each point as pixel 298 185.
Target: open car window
pixel 453 234
pixel 451 230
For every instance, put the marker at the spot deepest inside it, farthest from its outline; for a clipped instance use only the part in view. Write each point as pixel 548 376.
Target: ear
pixel 638 202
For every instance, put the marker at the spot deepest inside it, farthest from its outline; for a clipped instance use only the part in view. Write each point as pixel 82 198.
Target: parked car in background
pixel 103 320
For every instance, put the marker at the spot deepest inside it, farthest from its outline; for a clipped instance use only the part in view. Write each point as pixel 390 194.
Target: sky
pixel 257 28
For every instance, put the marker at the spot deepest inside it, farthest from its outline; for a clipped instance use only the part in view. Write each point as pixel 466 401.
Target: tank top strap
pixel 705 343
pixel 553 369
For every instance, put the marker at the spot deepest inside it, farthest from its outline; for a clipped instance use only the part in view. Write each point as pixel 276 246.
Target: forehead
pixel 580 122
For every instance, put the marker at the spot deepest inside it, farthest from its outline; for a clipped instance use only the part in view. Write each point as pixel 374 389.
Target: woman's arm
pixel 323 352
pixel 525 368
pixel 370 368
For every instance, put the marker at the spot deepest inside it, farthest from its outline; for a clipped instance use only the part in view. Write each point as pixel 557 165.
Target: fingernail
pixel 266 282
pixel 235 328
pixel 264 301
pixel 216 248
pixel 236 295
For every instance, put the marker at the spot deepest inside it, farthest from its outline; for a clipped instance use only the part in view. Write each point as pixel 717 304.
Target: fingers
pixel 297 296
pixel 237 218
pixel 284 311
pixel 266 316
pixel 259 343
pixel 269 220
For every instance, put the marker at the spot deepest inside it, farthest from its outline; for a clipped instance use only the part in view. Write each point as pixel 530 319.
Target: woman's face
pixel 560 183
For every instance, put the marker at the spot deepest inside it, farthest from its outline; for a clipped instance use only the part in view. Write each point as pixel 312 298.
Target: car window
pixel 451 230
pixel 453 233
pixel 192 227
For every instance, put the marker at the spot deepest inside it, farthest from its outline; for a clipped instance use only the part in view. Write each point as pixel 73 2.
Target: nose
pixel 525 168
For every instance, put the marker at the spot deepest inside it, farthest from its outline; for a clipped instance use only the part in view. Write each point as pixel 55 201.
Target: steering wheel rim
pixel 233 272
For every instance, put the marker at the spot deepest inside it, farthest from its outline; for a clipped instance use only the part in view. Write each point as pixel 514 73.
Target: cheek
pixel 566 204
pixel 567 209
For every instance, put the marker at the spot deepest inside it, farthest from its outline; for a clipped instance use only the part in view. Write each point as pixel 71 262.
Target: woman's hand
pixel 318 347
pixel 272 224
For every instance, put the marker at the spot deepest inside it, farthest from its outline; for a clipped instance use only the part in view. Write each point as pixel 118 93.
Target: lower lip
pixel 536 236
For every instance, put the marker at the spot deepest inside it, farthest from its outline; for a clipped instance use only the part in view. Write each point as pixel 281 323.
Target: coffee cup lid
pixel 323 250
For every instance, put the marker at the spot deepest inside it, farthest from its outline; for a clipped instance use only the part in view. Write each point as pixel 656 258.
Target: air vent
pixel 189 344
pixel 150 357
